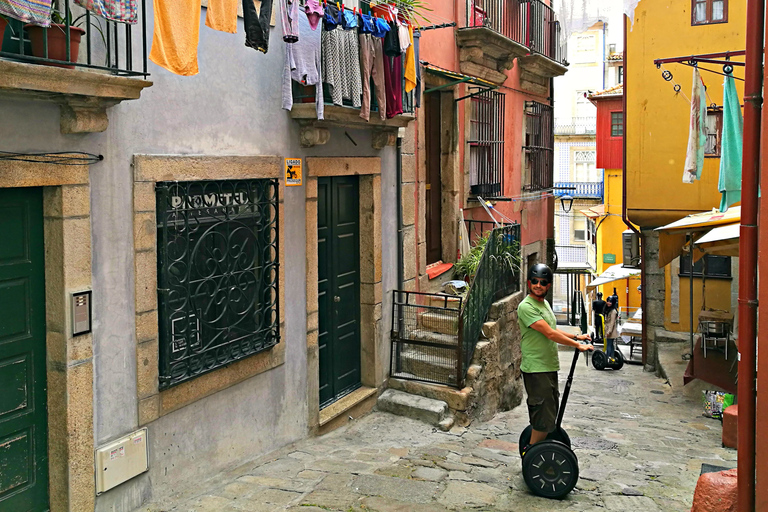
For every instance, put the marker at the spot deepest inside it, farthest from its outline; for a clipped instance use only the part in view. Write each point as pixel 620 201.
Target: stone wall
pixel 494 375
pixel 654 291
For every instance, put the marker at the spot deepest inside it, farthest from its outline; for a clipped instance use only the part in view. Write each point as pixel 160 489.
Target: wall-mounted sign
pixel 609 258
pixel 292 172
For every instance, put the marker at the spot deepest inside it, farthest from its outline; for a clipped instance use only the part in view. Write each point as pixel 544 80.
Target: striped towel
pixel 123 11
pixel 28 11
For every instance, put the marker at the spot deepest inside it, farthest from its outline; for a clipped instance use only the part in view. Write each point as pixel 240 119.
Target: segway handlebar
pixel 568 382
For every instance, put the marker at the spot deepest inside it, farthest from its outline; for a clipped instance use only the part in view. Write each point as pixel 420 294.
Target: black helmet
pixel 540 271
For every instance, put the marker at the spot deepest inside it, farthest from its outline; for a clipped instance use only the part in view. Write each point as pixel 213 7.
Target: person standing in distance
pixel 540 363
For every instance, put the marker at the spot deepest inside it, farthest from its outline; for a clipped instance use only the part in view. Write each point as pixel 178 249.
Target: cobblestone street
pixel 640 444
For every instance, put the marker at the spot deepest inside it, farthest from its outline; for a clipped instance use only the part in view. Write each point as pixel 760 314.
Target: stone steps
pixel 428 361
pixel 428 410
pixel 440 322
pixel 443 300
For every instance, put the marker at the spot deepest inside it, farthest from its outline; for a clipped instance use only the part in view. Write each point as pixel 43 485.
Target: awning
pixel 614 273
pixel 674 236
pixel 594 212
pixel 721 241
pixel 455 77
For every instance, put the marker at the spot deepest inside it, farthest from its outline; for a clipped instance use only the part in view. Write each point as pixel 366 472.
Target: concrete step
pixel 434 337
pixel 439 321
pixel 428 410
pixel 457 399
pixel 428 363
pixel 443 300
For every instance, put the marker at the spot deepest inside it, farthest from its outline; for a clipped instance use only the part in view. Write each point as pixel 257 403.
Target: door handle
pixel 336 298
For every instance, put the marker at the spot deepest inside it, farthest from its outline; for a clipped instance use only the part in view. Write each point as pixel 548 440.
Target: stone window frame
pixel 148 170
pixel 374 364
pixel 67 242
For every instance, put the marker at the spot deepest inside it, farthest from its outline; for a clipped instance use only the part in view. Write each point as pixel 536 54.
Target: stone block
pixel 147 368
pixel 716 492
pixel 144 231
pixel 33 174
pixel 409 203
pixel 80 347
pixel 422 258
pixel 310 190
pixel 409 255
pixel 319 166
pixel 409 140
pixel 76 234
pixel 155 168
pixel 146 326
pixel 149 409
pixel 409 285
pixel 145 264
pixel 80 436
pixel 730 426
pixel 412 406
pixel 371 293
pixel 313 321
pixel 75 201
pixel 422 215
pixel 144 197
pixel 409 169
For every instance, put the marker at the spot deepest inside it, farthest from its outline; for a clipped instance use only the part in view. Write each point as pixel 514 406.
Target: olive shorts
pixel 543 398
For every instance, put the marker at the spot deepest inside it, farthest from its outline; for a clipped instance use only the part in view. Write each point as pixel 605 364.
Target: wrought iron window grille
pixel 539 146
pixel 217 274
pixel 486 144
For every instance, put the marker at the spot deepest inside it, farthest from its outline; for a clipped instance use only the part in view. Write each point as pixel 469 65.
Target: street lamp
pixel 566 201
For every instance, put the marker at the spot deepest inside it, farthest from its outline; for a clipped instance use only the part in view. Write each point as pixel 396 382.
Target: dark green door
pixel 23 416
pixel 338 247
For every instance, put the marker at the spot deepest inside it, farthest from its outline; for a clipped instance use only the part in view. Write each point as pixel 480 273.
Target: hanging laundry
pixel 257 25
pixel 176 35
pixel 28 11
pixel 410 63
pixel 367 24
pixel 303 64
pixel 221 15
pixel 380 27
pixel 403 34
pixel 348 19
pixel 416 39
pixel 331 18
pixel 289 14
pixel 341 65
pixel 392 42
pixel 393 74
pixel 731 147
pixel 123 11
pixel 697 135
pixel 314 10
pixel 372 66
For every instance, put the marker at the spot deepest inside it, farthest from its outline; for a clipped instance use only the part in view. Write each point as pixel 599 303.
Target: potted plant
pixel 57 37
pixel 408 10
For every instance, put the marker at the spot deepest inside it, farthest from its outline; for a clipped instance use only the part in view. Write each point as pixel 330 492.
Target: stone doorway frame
pixel 373 367
pixel 67 242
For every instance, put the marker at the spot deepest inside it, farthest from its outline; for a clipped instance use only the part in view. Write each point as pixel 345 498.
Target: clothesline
pixel 430 15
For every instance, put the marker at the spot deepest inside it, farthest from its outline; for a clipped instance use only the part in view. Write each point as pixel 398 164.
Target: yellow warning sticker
pixel 292 172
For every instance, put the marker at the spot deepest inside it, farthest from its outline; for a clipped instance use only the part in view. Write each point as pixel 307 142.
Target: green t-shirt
pixel 539 352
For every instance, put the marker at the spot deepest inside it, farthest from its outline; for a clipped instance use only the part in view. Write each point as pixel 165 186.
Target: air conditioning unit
pixel 631 245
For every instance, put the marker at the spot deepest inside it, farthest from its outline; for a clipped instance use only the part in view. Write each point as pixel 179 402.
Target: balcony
pixel 499 31
pixel 315 131
pixel 579 189
pixel 576 126
pixel 98 64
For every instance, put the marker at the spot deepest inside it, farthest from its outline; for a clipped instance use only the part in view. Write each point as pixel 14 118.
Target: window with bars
pixel 714 132
pixel 486 144
pixel 709 265
pixel 217 274
pixel 617 124
pixel 705 12
pixel 539 146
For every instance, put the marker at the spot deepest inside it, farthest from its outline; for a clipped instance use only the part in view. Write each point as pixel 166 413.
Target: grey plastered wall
pixel 231 108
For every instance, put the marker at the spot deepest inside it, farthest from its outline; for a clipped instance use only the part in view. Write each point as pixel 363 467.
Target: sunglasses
pixel 542 282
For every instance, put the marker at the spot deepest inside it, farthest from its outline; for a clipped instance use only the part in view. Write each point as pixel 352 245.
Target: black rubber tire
pixel 559 434
pixel 599 360
pixel 550 469
pixel 619 364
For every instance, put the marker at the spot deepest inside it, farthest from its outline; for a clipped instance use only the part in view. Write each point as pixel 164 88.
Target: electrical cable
pixel 61 158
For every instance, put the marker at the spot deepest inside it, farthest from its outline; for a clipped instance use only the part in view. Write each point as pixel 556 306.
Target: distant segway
pixel 600 359
pixel 550 468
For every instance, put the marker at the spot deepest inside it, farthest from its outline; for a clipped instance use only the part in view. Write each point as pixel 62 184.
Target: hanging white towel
pixel 697 136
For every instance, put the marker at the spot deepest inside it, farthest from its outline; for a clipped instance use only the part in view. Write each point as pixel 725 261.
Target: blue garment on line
pixel 348 19
pixel 381 27
pixel 731 149
pixel 367 26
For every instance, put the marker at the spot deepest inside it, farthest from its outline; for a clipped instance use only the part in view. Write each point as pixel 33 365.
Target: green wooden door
pixel 23 414
pixel 338 246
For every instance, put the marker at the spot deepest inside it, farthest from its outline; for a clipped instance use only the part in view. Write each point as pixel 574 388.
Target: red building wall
pixel 610 150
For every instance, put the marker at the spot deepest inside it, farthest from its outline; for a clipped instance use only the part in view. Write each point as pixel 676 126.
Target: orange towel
pixel 176 35
pixel 410 64
pixel 222 15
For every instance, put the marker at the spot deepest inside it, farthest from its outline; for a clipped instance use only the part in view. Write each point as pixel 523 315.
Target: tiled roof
pixel 616 56
pixel 616 90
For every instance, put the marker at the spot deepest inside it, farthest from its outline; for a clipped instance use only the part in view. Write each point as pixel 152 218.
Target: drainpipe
pixel 753 81
pixel 603 54
pixel 399 201
pixel 643 288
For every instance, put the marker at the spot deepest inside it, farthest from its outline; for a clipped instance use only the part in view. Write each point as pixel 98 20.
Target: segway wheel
pixel 619 360
pixel 599 360
pixel 559 434
pixel 550 469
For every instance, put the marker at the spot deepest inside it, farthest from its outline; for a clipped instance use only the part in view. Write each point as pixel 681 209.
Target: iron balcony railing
pixel 576 126
pixel 530 23
pixel 117 48
pixel 539 147
pixel 434 335
pixel 477 228
pixel 571 254
pixel 579 189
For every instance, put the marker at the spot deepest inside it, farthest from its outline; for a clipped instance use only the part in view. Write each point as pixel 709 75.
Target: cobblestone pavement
pixel 640 445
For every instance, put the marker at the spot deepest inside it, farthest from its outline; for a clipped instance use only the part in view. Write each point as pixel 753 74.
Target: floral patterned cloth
pixel 28 11
pixel 124 11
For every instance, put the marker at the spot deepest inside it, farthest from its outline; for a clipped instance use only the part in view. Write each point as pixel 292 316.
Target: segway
pixel 550 468
pixel 600 360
